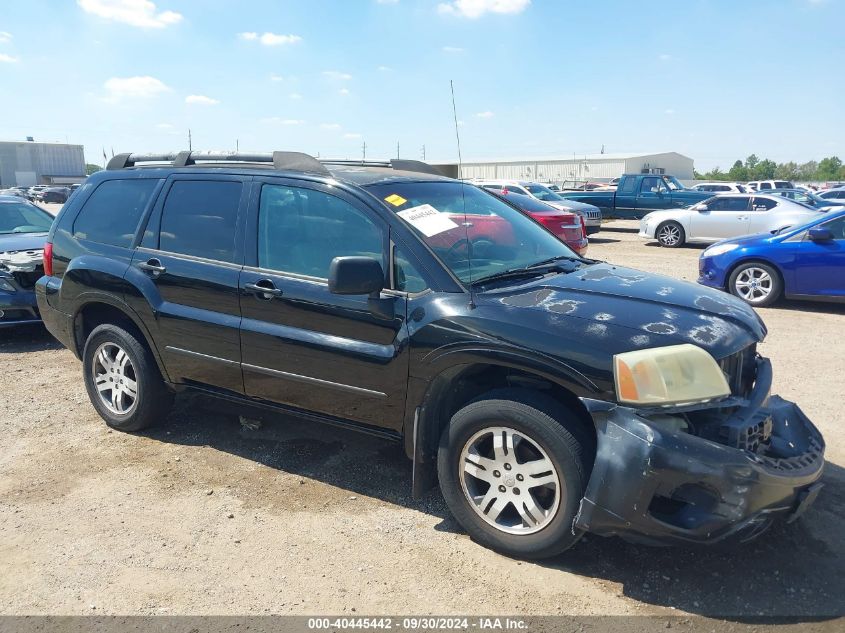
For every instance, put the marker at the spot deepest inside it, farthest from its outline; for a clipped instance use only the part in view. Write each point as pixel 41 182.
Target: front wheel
pixel 670 234
pixel 513 466
pixel 756 283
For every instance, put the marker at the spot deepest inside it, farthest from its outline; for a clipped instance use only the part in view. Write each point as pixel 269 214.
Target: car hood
pixel 620 309
pixel 572 205
pixel 21 241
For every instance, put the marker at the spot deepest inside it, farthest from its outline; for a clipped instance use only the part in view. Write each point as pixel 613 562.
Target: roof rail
pixel 283 161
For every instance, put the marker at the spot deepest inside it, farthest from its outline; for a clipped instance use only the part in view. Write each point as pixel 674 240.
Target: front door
pixel 188 265
pixel 302 346
pixel 653 195
pixel 724 216
pixel 820 266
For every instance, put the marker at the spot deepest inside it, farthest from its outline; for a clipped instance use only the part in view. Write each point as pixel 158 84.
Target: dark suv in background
pixel 549 394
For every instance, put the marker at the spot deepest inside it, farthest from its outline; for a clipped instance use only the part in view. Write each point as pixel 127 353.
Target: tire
pixel 111 355
pixel 756 283
pixel 540 426
pixel 670 234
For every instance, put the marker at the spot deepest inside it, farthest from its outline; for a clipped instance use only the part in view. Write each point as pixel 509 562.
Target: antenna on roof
pixel 463 196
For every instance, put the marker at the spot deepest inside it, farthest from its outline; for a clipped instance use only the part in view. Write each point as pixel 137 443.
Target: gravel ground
pixel 204 516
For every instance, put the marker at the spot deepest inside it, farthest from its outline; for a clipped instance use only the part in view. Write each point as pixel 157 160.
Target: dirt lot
pixel 203 516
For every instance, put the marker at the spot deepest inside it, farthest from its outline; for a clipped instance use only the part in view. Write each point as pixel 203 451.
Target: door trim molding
pixel 314 381
pixel 187 352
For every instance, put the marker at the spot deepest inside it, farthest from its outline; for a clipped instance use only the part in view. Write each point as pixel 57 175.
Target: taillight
pixel 48 259
pixel 583 225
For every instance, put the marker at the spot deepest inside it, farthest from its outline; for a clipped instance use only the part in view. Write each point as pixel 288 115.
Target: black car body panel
pixel 396 364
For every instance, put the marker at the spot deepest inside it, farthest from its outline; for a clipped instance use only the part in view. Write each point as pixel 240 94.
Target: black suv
pixel 551 395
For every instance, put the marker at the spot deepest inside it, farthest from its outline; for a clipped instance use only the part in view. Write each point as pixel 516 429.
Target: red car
pixel 568 227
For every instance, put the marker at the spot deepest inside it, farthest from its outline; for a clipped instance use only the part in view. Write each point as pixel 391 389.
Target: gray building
pixel 576 169
pixel 26 163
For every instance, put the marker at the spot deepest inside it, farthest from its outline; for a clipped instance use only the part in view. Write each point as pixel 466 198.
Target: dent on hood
pixel 21 261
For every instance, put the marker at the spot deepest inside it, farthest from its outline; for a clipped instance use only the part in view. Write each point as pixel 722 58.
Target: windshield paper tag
pixel 427 220
pixel 396 200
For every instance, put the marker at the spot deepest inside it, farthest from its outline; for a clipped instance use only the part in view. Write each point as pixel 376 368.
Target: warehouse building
pixel 27 163
pixel 576 169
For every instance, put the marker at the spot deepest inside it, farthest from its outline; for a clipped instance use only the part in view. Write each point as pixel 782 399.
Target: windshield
pixel 17 217
pixel 500 237
pixel 672 182
pixel 543 193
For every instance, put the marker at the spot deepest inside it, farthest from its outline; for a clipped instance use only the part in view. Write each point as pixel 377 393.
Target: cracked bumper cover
pixel 656 485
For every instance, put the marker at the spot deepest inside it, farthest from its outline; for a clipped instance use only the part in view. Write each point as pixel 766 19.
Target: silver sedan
pixel 724 216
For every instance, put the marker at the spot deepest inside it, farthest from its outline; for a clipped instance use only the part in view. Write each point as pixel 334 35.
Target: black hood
pixel 620 309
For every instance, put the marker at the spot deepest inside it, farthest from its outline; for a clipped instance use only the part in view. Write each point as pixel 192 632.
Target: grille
pixel 740 370
pixel 27 280
pixel 593 215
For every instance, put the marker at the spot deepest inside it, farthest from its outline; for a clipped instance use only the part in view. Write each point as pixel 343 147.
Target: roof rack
pixel 282 161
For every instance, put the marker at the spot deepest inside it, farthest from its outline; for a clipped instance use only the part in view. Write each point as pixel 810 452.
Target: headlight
pixel 668 375
pixel 718 249
pixel 5 285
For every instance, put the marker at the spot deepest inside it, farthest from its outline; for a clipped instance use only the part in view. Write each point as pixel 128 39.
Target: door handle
pixel 264 289
pixel 152 266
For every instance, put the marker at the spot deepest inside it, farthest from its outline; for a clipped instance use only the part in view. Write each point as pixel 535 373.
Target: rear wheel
pixel 122 379
pixel 513 467
pixel 756 283
pixel 670 234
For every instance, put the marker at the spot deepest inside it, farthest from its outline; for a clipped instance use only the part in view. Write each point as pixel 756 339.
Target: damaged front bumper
pixel 656 483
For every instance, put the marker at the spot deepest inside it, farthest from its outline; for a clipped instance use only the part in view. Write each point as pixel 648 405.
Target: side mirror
pixel 356 276
pixel 699 207
pixel 820 235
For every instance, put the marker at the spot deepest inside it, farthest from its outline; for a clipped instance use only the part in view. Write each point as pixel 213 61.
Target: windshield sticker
pixel 396 200
pixel 427 220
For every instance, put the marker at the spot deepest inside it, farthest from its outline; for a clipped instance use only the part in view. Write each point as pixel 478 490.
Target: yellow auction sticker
pixel 396 200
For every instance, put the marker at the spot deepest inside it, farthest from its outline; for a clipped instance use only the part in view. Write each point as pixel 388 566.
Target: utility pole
pixel 189 140
pixel 237 146
pixel 397 150
pixel 364 151
pixel 423 152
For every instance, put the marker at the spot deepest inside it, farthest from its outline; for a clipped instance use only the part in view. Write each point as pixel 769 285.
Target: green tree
pixel 751 163
pixel 91 168
pixel 807 171
pixel 738 172
pixel 715 174
pixel 764 170
pixel 829 168
pixel 788 171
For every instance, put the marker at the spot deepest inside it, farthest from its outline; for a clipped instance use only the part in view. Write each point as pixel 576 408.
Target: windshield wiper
pixel 534 270
pixel 552 260
pixel 514 273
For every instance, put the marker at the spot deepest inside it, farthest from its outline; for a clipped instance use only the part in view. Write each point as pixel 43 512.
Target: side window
pixel 763 204
pixel 199 219
pixel 406 276
pixel 764 185
pixel 302 230
pixel 837 227
pixel 112 213
pixel 729 203
pixel 652 185
pixel 628 185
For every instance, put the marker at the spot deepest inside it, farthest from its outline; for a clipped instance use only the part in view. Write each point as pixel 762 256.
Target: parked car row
pixel 42 193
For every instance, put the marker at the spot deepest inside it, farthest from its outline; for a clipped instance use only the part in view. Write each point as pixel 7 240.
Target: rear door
pixel 820 266
pixel 725 216
pixel 343 356
pixel 188 267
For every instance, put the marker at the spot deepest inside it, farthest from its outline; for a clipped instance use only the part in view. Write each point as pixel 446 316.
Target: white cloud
pixel 295 95
pixel 200 100
pixel 484 115
pixel 336 74
pixel 387 1
pixel 452 49
pixel 280 121
pixel 8 59
pixel 669 111
pixel 275 77
pixel 164 126
pixel 5 37
pixel 476 8
pixel 384 69
pixel 351 135
pixel 140 13
pixel 330 126
pixel 133 87
pixel 270 39
pixel 343 92
pixel 665 57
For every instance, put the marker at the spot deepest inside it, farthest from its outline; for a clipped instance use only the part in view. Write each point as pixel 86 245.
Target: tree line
pixel 753 168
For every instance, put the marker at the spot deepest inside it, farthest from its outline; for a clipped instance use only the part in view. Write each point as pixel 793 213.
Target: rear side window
pixel 764 185
pixel 763 204
pixel 199 219
pixel 112 213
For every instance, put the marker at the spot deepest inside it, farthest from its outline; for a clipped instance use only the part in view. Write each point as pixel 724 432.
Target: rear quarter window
pixel 112 213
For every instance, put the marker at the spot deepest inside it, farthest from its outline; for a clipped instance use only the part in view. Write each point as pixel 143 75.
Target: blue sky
pixel 713 79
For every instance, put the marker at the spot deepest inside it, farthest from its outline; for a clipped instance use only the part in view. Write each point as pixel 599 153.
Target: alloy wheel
pixel 669 235
pixel 115 378
pixel 754 284
pixel 509 480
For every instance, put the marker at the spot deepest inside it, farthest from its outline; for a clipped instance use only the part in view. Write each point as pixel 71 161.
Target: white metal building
pixel 583 168
pixel 26 163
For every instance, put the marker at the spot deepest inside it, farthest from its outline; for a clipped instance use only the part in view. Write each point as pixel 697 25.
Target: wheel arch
pixel 752 259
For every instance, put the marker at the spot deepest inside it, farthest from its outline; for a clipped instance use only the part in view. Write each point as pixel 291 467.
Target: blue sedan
pixel 798 262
